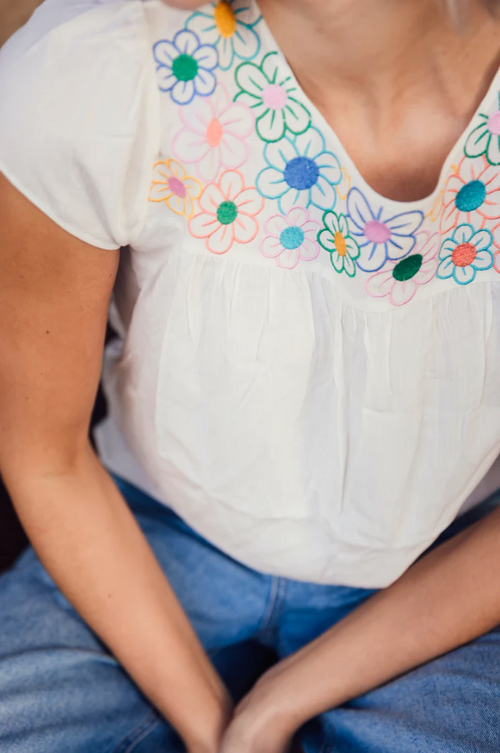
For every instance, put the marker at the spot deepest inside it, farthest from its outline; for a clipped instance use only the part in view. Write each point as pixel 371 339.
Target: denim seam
pixel 274 609
pixel 138 734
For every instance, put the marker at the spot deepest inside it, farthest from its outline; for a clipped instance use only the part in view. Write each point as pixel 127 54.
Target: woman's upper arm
pixel 54 296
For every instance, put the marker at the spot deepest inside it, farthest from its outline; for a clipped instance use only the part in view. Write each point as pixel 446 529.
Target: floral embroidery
pixel 465 253
pixel 344 186
pixel 291 238
pixel 228 213
pixel 472 194
pixel 269 95
pixel 381 237
pixel 172 185
pixel 485 138
pixel 228 26
pixel 336 239
pixel 400 280
pixel 213 134
pixel 184 67
pixel 300 172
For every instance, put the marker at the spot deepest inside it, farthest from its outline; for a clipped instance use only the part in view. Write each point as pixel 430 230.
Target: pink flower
pixel 213 134
pixel 472 195
pixel 400 279
pixel 229 211
pixel 291 238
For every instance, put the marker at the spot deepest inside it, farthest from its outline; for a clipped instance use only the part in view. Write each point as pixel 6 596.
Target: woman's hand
pixel 264 721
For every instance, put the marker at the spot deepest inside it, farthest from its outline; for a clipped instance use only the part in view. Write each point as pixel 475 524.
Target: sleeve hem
pixel 86 238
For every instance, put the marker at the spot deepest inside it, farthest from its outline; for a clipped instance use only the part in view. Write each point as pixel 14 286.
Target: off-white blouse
pixel 308 373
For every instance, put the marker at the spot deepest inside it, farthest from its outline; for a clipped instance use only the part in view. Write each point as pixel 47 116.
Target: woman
pixel 304 198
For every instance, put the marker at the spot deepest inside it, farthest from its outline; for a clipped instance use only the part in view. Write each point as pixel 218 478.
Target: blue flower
pixel 300 172
pixel 184 67
pixel 228 26
pixel 381 236
pixel 464 254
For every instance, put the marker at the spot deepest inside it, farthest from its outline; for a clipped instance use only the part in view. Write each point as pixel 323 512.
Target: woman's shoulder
pixel 78 116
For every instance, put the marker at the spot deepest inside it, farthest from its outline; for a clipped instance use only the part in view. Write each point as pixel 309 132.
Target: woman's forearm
pixel 448 598
pixel 93 548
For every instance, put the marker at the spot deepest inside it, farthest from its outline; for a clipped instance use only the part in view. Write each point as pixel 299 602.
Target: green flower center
pixel 227 212
pixel 471 196
pixel 407 268
pixel 185 68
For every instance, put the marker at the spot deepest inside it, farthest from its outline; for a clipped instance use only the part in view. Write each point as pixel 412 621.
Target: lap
pixel 61 689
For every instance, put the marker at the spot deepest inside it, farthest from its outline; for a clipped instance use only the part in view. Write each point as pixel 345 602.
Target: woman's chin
pixel 184 4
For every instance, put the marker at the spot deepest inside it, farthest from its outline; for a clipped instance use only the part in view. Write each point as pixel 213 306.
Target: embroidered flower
pixel 172 185
pixel 184 67
pixel 269 94
pixel 381 236
pixel 228 26
pixel 213 134
pixel 400 280
pixel 300 172
pixel 472 194
pixel 344 186
pixel 336 239
pixel 228 213
pixel 465 253
pixel 291 238
pixel 485 138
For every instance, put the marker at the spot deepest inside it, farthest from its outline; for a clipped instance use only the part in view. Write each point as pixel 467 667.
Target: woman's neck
pixel 380 69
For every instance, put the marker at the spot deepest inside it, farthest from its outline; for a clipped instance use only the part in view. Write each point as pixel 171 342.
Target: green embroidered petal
pixel 337 261
pixel 352 248
pixel 269 67
pixel 256 104
pixel 251 79
pixel 478 141
pixel 349 266
pixel 493 151
pixel 325 239
pixel 297 117
pixel 343 225
pixel 271 125
pixel 331 222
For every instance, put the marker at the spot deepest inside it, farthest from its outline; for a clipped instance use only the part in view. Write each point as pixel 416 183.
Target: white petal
pixel 372 257
pixel 289 258
pixel 482 239
pixel 379 285
pixel 245 228
pixel 349 266
pixel 464 275
pixel 165 53
pixel 226 52
pixel 323 194
pixel 237 120
pixel 271 183
pixel 246 12
pixel 205 27
pixel 276 224
pixel 189 147
pixel 249 201
pixel 271 247
pixel 310 144
pixel 493 151
pixel 400 246
pixel 206 56
pixel 205 82
pixel 359 210
pixel 406 223
pixel 202 225
pixel 477 143
pixel 463 233
pixel 186 42
pixel 166 79
pixel 210 165
pixel 329 167
pixel 183 92
pixel 197 116
pixel 402 292
pixel 483 260
pixel 445 269
pixel 270 67
pixel 246 42
pixel 309 250
pixel 279 154
pixel 297 217
pixel 271 125
pixel 234 151
pixel 297 117
pixel 231 184
pixel 251 79
pixel 222 239
pixel 293 198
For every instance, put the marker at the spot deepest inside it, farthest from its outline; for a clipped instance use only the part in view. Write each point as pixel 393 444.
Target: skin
pixel 378 70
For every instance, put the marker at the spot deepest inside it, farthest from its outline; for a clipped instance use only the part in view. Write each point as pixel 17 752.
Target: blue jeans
pixel 62 692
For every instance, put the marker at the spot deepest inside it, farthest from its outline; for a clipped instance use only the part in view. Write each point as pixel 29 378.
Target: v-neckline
pixel 318 119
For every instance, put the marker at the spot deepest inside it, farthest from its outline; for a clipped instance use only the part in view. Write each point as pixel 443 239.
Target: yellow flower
pixel 172 185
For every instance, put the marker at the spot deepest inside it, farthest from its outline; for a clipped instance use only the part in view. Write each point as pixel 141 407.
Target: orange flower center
pixel 464 254
pixel 340 244
pixel 224 18
pixel 214 132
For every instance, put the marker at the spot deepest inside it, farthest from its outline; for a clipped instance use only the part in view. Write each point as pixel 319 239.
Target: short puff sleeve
pixel 79 116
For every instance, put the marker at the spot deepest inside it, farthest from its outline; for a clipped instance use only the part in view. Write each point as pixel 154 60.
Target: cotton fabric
pixel 307 372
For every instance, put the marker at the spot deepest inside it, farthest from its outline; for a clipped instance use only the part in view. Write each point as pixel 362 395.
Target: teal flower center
pixel 291 238
pixel 407 268
pixel 185 68
pixel 471 196
pixel 227 212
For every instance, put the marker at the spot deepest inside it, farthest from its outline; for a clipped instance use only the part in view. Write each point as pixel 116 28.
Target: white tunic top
pixel 309 373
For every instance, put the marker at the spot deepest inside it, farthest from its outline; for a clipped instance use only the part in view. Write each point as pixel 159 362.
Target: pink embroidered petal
pixel 231 184
pixel 402 292
pixel 289 258
pixel 202 225
pixel 427 271
pixel 249 201
pixel 220 100
pixel 245 228
pixel 189 146
pixel 197 116
pixel 222 240
pixel 237 120
pixel 277 223
pixel 211 198
pixel 209 166
pixel 309 250
pixel 380 284
pixel 310 229
pixel 233 150
pixel 271 247
pixel 297 216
